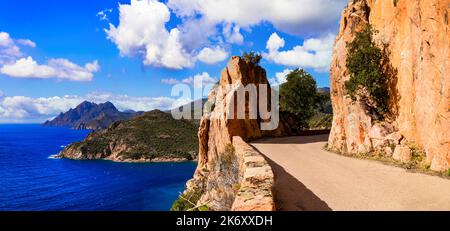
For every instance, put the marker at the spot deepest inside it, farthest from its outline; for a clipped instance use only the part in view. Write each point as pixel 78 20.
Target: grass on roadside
pixel 417 163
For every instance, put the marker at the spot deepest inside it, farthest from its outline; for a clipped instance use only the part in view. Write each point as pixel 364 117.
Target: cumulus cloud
pixel 280 77
pixel 212 55
pixel 26 109
pixel 201 80
pixel 14 64
pixel 142 31
pixel 22 109
pixel 314 53
pixel 196 33
pixel 26 42
pixel 143 28
pixel 55 68
pixel 9 50
pixel 294 17
pixel 126 102
pixel 232 33
pixel 275 42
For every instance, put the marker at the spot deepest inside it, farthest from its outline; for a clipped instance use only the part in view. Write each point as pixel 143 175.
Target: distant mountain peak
pixel 86 103
pixel 107 103
pixel 89 115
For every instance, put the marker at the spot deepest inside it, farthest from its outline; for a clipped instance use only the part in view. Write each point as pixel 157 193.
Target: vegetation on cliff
pixel 187 201
pixel 252 57
pixel 154 135
pixel 368 79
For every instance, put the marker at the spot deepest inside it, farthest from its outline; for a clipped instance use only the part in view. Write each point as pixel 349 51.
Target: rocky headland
pixel 152 137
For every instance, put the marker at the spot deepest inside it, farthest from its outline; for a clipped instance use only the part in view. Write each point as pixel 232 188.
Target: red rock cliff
pixel 220 174
pixel 418 37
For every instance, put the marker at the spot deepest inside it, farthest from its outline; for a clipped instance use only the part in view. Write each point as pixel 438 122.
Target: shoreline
pixel 139 161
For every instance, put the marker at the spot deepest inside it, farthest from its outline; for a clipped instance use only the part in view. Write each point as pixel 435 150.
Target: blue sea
pixel 30 180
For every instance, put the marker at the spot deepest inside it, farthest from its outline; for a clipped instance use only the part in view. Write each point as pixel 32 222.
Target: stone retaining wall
pixel 255 192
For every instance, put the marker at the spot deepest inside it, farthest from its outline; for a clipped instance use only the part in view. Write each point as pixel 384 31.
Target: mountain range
pixel 88 115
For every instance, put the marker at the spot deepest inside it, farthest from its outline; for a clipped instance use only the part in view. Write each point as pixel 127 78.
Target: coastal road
pixel 309 178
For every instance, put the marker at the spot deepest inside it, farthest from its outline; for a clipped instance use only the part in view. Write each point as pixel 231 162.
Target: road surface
pixel 309 178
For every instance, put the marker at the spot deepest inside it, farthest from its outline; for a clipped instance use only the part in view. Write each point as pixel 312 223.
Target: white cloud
pixel 27 67
pixel 142 31
pixel 170 81
pixel 22 109
pixel 212 55
pixel 290 16
pixel 26 42
pixel 275 42
pixel 126 102
pixel 202 80
pixel 232 33
pixel 103 14
pixel 5 40
pixel 26 109
pixel 143 28
pixel 14 64
pixel 314 53
pixel 9 51
pixel 184 8
pixel 196 33
pixel 55 68
pixel 280 77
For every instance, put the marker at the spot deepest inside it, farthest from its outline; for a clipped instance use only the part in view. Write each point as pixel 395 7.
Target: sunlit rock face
pixel 418 38
pixel 221 174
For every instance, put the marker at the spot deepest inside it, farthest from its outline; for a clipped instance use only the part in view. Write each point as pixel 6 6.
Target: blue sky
pixel 54 54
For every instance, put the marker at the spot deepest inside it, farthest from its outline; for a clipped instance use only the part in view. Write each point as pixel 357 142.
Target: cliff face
pixel 216 133
pixel 418 38
pixel 219 170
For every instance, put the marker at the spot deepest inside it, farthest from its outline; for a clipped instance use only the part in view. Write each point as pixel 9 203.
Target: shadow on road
pixel 291 194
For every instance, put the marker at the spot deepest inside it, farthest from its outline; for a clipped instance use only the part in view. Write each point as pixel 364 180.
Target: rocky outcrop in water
pixel 417 34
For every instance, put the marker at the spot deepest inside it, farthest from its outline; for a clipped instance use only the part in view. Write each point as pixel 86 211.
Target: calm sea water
pixel 30 180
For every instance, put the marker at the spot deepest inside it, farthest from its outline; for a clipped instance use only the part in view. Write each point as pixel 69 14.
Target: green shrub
pixel 252 57
pixel 320 121
pixel 203 208
pixel 368 81
pixel 187 201
pixel 151 135
pixel 418 155
pixel 300 97
pixel 229 156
